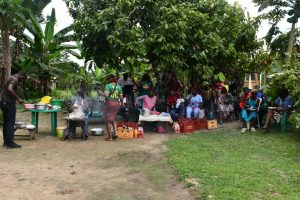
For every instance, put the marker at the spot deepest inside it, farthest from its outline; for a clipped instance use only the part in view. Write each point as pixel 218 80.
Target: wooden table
pixel 35 119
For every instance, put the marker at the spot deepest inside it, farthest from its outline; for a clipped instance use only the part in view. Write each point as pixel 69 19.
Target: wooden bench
pixel 31 132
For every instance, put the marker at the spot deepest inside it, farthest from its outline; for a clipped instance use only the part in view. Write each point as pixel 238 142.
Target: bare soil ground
pixel 48 168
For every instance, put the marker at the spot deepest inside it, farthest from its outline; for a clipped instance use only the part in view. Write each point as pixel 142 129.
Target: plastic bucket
pixel 56 102
pixel 60 131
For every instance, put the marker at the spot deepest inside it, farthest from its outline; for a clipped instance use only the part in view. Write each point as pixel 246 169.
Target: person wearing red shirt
pixel 245 97
pixel 174 85
pixel 174 105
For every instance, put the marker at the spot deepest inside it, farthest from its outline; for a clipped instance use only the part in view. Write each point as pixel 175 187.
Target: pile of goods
pixel 44 104
pixel 128 130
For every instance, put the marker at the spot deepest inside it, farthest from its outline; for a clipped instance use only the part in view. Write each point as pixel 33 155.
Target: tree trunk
pixel 291 44
pixel 2 69
pixel 6 47
pixel 6 63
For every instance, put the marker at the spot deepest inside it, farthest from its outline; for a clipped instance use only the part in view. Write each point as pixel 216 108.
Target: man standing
pixel 127 83
pixel 8 101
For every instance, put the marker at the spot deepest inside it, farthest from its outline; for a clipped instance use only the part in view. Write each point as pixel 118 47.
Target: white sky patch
pixel 250 7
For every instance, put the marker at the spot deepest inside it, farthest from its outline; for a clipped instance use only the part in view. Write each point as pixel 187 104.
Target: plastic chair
pixel 282 124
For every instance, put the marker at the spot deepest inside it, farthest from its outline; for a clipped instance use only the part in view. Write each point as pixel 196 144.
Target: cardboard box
pixel 212 124
pixel 125 133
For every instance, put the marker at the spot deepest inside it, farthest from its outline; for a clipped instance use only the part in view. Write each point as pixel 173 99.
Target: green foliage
pixel 225 164
pixel 280 9
pixel 9 6
pixel 220 77
pixel 46 50
pixel 62 94
pixel 287 76
pixel 279 45
pixel 201 37
pixel 31 89
pixel 275 12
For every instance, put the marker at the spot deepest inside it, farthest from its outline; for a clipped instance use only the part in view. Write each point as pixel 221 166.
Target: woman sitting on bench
pixel 194 101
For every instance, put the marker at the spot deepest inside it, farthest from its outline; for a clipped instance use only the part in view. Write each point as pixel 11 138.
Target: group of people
pixel 256 105
pixel 211 100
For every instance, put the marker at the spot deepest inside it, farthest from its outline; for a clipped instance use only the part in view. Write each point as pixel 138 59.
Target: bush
pixel 62 94
pixel 288 78
pixel 31 89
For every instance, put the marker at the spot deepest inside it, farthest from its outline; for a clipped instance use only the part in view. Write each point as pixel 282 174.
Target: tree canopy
pixel 276 11
pixel 202 37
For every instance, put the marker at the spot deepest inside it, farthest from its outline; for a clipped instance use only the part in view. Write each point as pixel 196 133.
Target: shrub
pixel 288 78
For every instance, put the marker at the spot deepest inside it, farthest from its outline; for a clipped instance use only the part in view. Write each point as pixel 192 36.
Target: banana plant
pixel 46 48
pixel 278 10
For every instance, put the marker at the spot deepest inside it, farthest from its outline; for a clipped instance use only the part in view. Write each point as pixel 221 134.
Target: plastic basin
pixel 60 131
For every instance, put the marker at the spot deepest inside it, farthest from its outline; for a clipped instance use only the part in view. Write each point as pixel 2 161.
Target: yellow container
pixel 60 131
pixel 212 124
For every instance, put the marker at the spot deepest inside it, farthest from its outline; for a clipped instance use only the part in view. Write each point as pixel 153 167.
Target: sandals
pixel 243 130
pixel 108 139
pixel 115 136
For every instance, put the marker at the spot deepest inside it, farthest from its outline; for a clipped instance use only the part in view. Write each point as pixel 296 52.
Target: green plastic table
pixel 35 119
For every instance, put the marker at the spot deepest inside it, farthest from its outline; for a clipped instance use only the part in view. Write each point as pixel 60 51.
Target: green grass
pixel 231 165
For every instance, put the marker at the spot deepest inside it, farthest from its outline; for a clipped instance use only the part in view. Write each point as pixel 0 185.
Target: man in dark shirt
pixel 174 85
pixel 8 101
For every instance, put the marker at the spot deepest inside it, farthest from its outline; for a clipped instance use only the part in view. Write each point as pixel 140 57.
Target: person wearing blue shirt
pixel 283 103
pixel 194 103
pixel 259 94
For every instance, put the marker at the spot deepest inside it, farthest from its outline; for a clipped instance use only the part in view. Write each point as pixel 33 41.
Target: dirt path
pixel 95 169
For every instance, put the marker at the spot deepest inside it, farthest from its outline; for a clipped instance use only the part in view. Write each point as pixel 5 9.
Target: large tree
pixel 9 9
pixel 12 13
pixel 201 37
